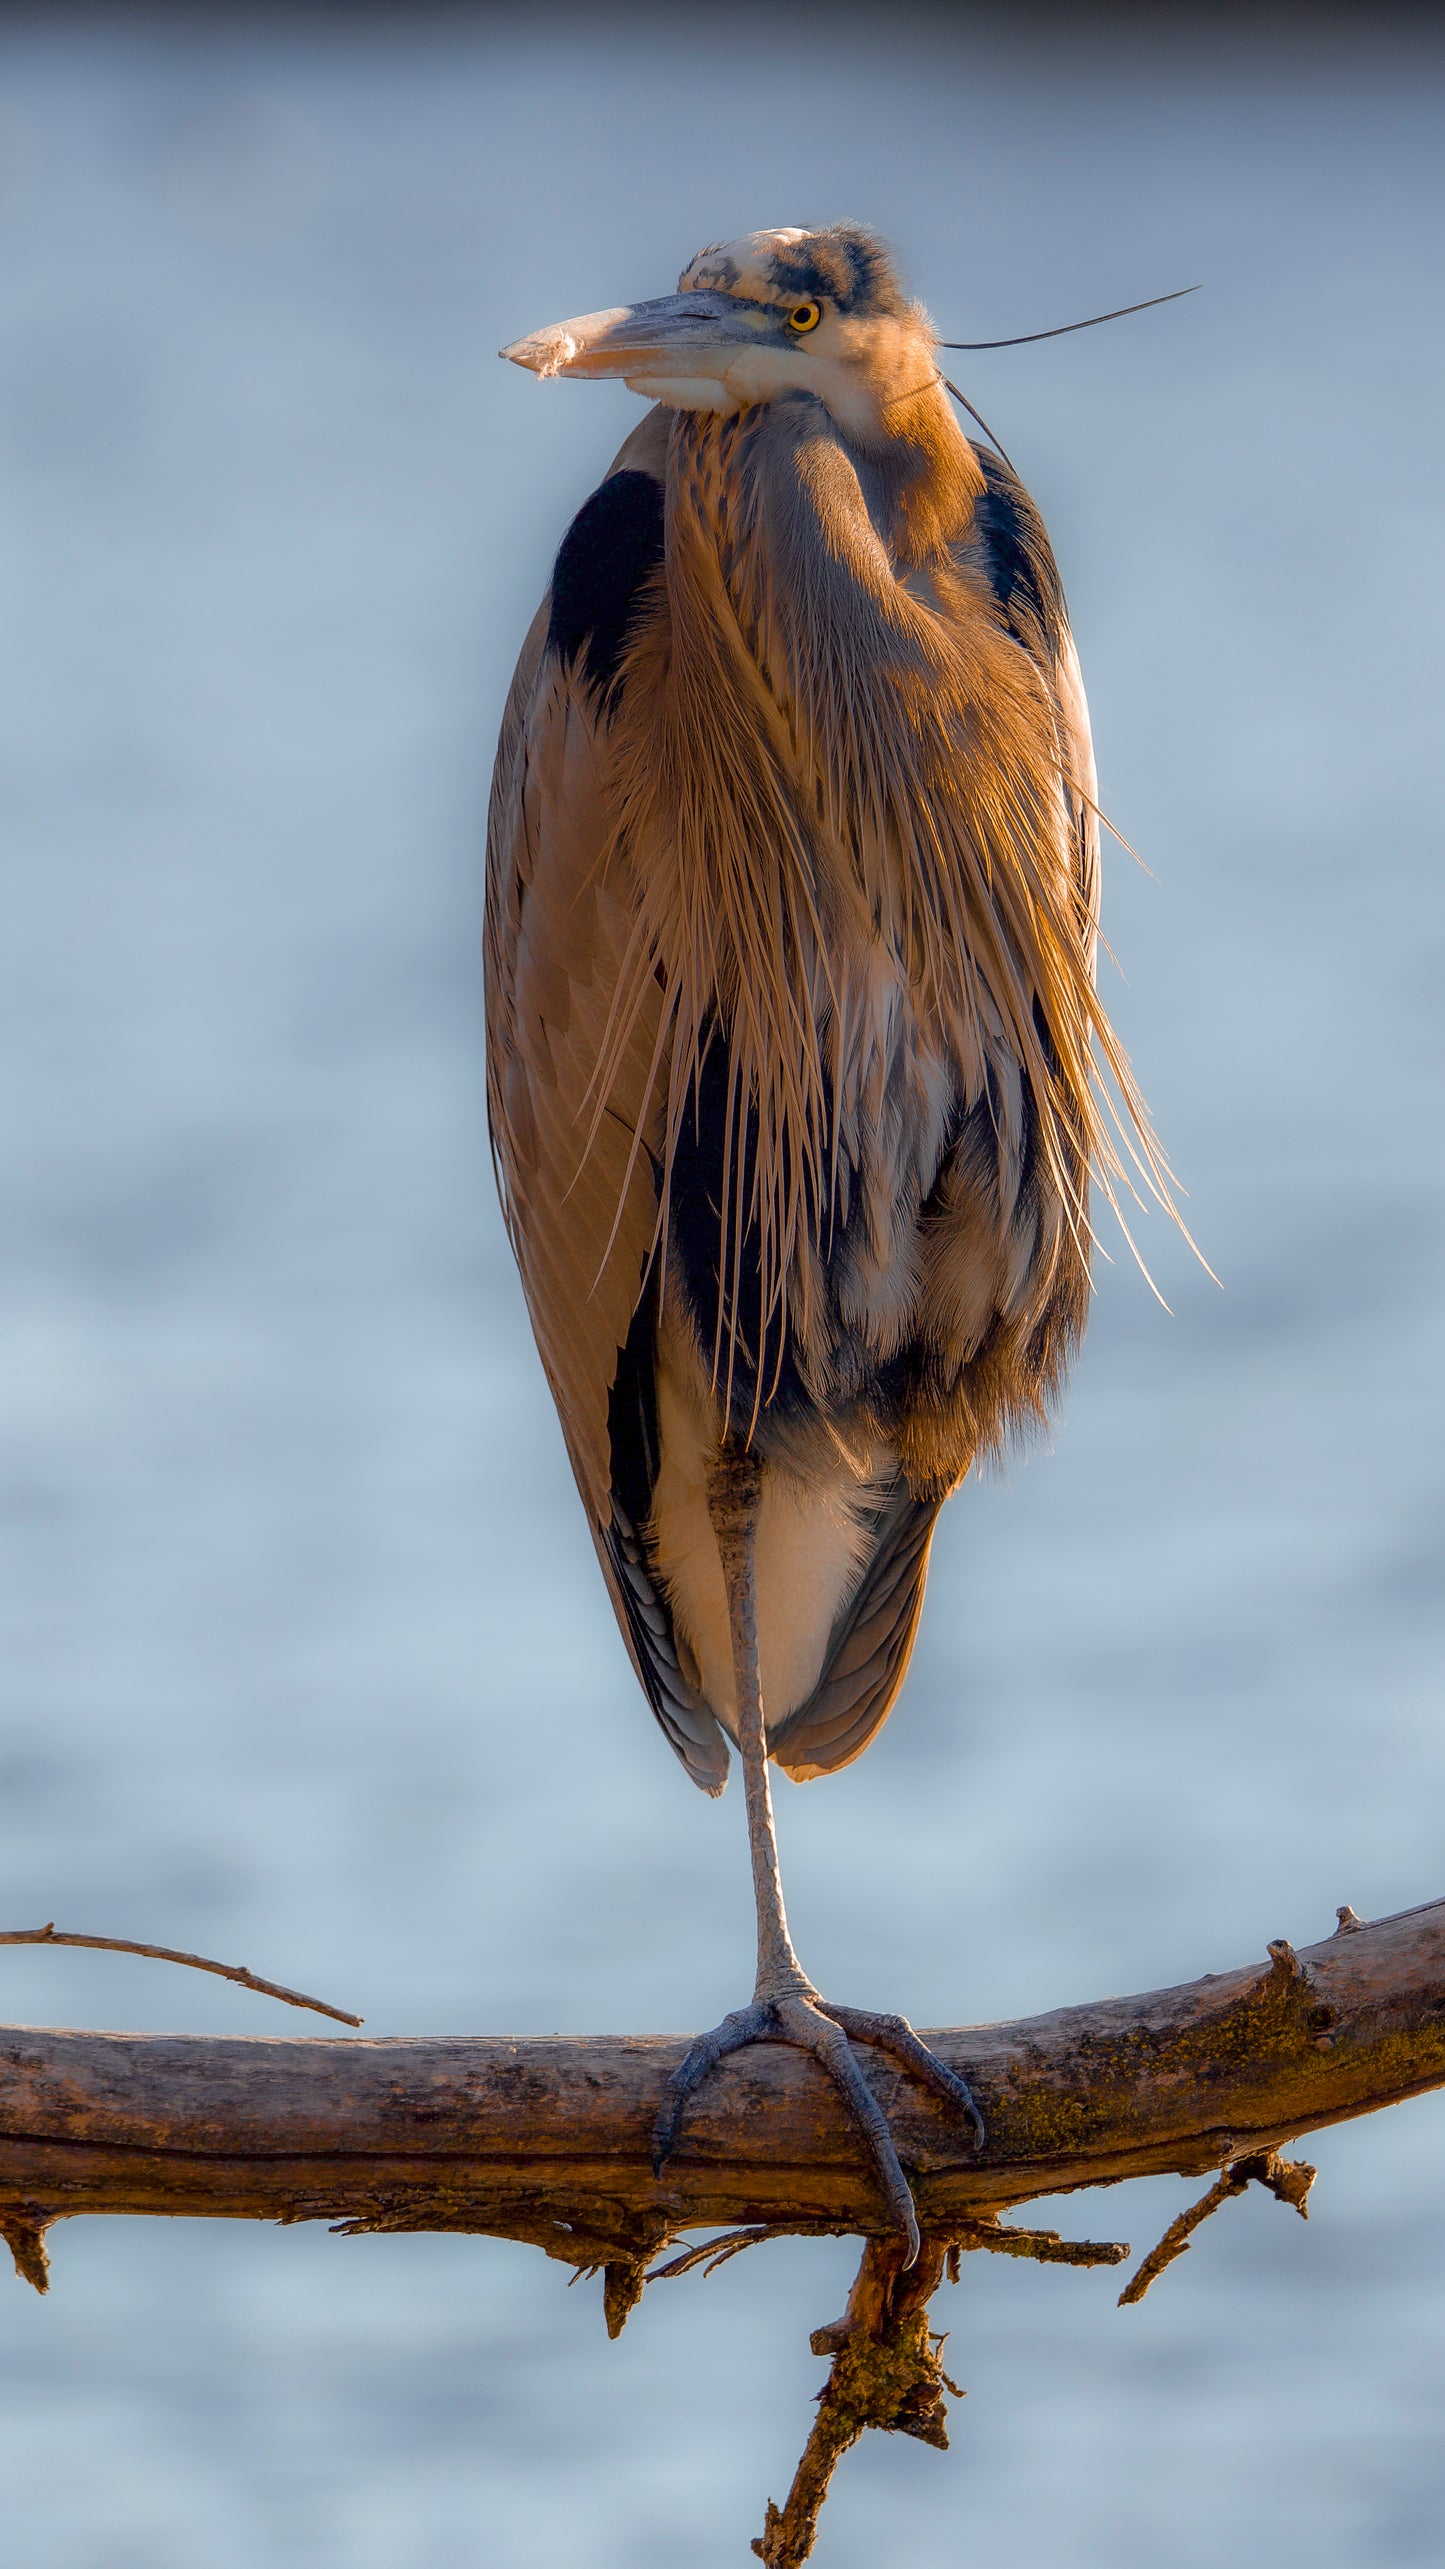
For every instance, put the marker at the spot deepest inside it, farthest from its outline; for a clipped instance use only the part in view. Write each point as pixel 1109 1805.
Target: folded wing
pixel 577 1176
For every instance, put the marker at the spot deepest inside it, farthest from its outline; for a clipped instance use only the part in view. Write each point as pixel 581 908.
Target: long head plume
pixel 1066 329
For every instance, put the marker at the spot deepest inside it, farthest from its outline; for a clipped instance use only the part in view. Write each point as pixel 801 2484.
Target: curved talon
pixel 811 2024
pixel 894 2034
pixel 816 2030
pixel 752 2024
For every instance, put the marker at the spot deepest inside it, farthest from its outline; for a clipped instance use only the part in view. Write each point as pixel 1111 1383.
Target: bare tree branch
pixel 547 2139
pixel 237 1971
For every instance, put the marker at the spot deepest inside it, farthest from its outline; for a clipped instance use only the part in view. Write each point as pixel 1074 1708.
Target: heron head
pixel 774 313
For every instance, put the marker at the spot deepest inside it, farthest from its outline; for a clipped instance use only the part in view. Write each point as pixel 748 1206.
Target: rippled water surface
pixel 306 1659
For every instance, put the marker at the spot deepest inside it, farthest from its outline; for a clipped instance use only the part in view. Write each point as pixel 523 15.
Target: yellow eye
pixel 805 316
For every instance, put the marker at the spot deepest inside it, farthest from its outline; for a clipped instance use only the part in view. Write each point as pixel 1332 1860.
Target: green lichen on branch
pixel 887 2371
pixel 1277 2035
pixel 886 2374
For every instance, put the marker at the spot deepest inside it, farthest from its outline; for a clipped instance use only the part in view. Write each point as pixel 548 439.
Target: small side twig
pixel 1288 2180
pixel 1045 2247
pixel 53 1935
pixel 713 2253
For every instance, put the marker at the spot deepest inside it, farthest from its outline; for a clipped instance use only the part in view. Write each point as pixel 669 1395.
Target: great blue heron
pixel 792 900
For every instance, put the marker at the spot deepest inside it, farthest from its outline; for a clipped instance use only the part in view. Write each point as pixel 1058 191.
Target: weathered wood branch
pixel 546 2139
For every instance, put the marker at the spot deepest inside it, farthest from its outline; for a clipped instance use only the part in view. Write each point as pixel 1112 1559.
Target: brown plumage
pixel 792 1023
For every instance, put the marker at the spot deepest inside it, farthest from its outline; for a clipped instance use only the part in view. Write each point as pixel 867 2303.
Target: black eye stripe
pixel 842 266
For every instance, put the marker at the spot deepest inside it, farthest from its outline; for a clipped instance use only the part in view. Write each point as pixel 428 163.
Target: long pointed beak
pixel 678 334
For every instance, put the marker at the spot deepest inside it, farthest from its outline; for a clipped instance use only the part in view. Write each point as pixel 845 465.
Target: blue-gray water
pixel 306 1659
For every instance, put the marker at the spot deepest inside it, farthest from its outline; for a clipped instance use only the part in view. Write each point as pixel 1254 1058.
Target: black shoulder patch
pixel 607 555
pixel 1019 555
pixel 719 1275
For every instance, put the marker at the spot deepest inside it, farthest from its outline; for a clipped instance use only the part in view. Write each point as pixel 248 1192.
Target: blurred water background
pixel 306 1660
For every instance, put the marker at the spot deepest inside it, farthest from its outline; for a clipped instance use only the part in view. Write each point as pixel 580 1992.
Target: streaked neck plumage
pixel 839 752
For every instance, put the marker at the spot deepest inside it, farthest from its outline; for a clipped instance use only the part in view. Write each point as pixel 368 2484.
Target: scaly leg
pixel 786 2008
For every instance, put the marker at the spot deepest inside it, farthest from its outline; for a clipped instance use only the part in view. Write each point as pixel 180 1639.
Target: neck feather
pixel 832 762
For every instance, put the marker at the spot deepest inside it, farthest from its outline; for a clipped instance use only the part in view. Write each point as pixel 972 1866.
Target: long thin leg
pixel 785 2006
pixel 733 1505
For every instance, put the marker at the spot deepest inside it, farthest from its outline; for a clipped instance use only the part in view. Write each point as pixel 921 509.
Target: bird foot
pixel 800 2017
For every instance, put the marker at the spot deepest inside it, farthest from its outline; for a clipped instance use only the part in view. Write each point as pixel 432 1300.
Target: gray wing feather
pixel 870 1647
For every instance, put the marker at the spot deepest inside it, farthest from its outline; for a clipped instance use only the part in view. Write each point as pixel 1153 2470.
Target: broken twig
pixel 1044 2247
pixel 23 2227
pixel 1288 2180
pixel 712 2253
